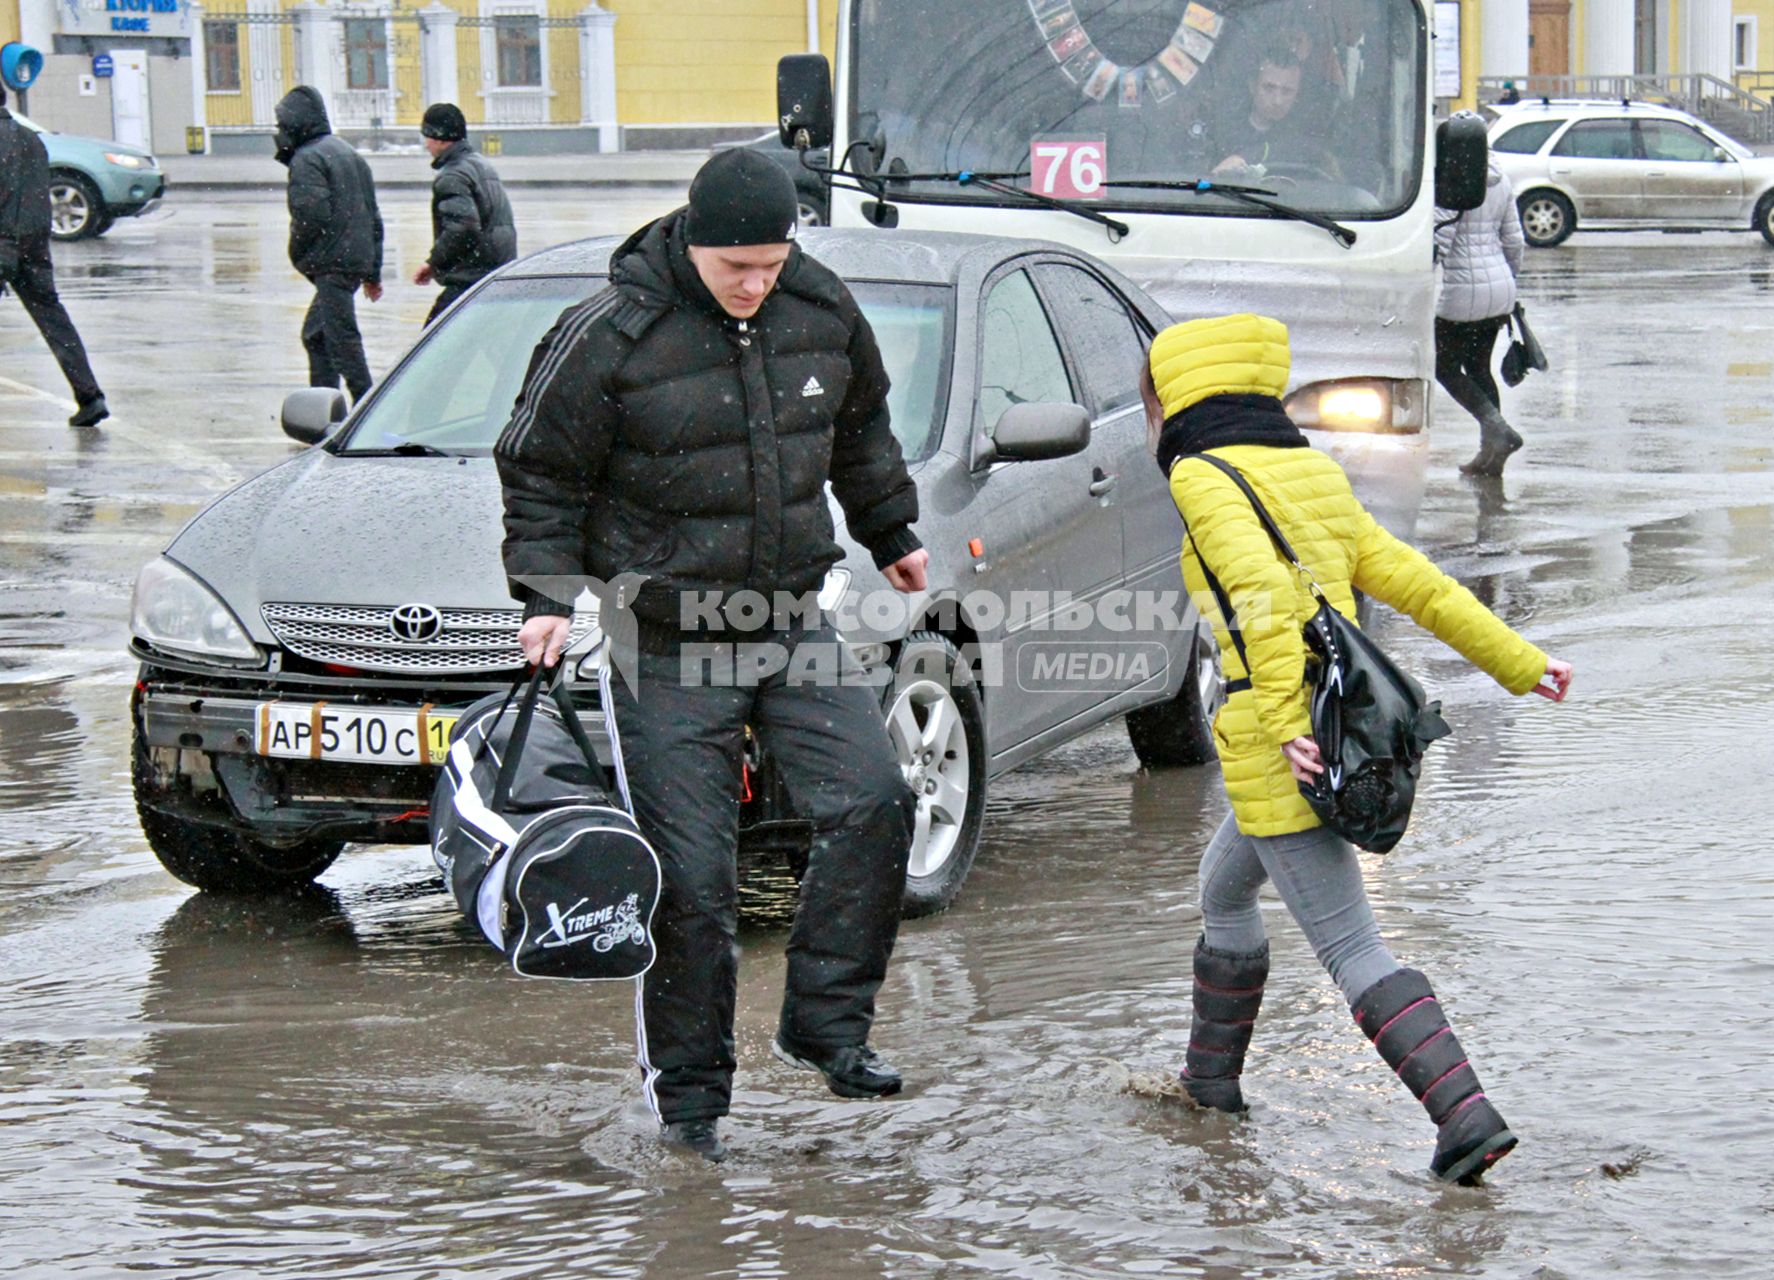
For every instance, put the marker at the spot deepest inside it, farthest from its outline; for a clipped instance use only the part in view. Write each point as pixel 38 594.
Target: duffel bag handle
pixel 520 732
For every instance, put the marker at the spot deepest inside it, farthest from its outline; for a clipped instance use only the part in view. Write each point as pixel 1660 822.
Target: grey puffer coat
pixel 1480 252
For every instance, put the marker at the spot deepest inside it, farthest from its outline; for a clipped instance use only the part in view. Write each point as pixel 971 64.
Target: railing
pixel 1736 110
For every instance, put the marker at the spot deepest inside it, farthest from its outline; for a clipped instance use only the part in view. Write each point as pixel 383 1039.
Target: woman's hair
pixel 1149 398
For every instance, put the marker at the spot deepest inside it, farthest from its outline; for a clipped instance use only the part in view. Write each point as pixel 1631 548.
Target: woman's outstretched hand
pixel 1556 683
pixel 1303 758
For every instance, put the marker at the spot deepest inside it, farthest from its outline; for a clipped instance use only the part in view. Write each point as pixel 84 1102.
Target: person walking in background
pixel 335 237
pixel 25 262
pixel 471 225
pixel 1215 385
pixel 1480 254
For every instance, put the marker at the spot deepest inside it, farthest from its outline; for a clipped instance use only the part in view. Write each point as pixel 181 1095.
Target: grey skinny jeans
pixel 1319 879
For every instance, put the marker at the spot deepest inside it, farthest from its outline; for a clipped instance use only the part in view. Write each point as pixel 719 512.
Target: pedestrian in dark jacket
pixel 25 263
pixel 681 427
pixel 335 237
pixel 472 230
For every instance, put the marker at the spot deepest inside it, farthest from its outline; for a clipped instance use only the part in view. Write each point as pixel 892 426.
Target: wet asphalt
pixel 346 1083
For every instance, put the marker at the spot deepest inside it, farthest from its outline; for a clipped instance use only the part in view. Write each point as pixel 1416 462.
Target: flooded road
pixel 347 1083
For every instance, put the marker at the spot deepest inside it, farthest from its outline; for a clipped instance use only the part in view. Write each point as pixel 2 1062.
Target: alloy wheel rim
pixel 930 740
pixel 68 209
pixel 1544 219
pixel 1208 679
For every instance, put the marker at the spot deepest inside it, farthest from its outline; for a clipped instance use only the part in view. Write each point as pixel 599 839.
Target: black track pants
pixel 679 756
pixel 330 336
pixel 34 282
pixel 446 299
pixel 1463 363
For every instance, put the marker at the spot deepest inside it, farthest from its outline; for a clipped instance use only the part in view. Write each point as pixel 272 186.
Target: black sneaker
pixel 90 414
pixel 855 1071
pixel 699 1136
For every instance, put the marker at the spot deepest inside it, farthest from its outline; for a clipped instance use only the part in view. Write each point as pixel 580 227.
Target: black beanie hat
pixel 739 197
pixel 445 122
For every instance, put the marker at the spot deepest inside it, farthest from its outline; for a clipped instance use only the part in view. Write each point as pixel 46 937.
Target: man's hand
pixel 543 637
pixel 907 573
pixel 422 275
pixel 372 289
pixel 1303 758
pixel 1232 164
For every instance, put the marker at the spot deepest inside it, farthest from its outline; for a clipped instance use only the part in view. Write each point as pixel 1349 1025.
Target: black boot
pixel 700 1136
pixel 1228 993
pixel 1401 1015
pixel 855 1071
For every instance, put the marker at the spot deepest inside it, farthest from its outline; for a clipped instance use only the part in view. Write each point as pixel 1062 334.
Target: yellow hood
pixel 1219 355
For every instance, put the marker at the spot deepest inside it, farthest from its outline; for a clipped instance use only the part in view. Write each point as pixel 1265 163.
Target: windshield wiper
pixel 1257 197
pixel 996 182
pixel 406 449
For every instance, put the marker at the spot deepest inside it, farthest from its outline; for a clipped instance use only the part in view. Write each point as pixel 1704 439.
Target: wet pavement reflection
pixel 345 1082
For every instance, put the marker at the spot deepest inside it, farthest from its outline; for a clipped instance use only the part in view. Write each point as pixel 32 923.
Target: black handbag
pixel 1372 722
pixel 1525 353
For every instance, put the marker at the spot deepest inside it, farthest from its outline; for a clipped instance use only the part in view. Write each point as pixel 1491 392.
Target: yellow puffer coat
pixel 1334 536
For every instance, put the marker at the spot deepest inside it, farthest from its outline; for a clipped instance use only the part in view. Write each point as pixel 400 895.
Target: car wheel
pixel 1547 218
pixel 75 209
pixel 1765 217
pixel 808 213
pixel 216 860
pixel 936 721
pixel 105 223
pixel 1180 732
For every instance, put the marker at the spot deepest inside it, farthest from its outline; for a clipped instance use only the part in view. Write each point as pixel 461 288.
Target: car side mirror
pixel 1721 155
pixel 1462 157
pixel 313 413
pixel 1036 432
pixel 804 113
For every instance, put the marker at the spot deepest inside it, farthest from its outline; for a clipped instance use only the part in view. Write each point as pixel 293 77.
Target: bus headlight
pixel 1377 406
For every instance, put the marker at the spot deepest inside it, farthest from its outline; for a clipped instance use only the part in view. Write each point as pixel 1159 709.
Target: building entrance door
pixel 1549 37
pixel 129 98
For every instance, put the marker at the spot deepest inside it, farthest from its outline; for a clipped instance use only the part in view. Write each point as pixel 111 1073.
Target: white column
pixel 597 74
pixel 314 51
pixel 1503 47
pixel 199 73
pixel 1706 38
pixel 437 54
pixel 1608 44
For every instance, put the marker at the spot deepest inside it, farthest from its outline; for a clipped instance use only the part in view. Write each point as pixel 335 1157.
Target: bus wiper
pixel 1258 197
pixel 996 182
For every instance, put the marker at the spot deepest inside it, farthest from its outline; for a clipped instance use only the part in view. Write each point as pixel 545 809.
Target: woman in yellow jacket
pixel 1214 386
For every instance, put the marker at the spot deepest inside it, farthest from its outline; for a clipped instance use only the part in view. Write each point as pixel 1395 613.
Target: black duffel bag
pixel 1371 721
pixel 533 846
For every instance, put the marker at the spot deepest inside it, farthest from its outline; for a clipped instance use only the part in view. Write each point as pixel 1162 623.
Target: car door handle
pixel 1100 482
pixel 1655 173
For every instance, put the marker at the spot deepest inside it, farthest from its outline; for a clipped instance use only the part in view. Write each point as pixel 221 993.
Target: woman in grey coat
pixel 1480 252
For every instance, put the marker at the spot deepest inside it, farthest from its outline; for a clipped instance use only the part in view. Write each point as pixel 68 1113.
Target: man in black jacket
pixel 680 428
pixel 25 263
pixel 471 225
pixel 335 237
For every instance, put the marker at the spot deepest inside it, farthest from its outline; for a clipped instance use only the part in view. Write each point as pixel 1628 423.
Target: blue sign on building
pixel 102 67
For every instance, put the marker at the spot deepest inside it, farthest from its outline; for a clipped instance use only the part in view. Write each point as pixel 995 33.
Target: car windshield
pixel 1318 101
pixel 456 391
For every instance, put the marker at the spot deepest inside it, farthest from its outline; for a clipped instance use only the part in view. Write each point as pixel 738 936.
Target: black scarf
pixel 1224 420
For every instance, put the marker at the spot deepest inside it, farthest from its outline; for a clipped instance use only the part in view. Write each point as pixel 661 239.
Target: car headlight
pixel 127 162
pixel 172 610
pixel 1378 406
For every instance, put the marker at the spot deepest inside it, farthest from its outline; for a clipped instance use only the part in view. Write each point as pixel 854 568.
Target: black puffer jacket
pixel 656 435
pixel 24 182
pixel 471 225
pixel 335 227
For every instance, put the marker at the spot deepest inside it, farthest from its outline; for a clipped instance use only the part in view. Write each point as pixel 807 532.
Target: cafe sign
pixel 124 17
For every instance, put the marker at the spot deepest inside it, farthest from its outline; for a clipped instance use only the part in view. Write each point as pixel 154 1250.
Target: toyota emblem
pixel 416 623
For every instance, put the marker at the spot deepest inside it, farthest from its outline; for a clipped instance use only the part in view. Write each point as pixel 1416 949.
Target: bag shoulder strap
pixel 1268 521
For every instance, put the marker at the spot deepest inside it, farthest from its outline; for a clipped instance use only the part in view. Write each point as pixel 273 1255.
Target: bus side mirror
pixel 1462 156
pixel 804 114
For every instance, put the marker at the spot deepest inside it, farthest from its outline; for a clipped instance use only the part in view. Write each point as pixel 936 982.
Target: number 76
pixel 1068 169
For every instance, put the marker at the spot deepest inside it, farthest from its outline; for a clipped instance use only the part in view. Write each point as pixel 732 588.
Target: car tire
pixel 809 214
pixel 105 223
pixel 75 209
pixel 1179 733
pixel 936 722
pixel 1547 218
pixel 214 859
pixel 1764 221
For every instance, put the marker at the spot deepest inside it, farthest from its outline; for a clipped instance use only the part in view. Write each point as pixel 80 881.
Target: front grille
pixel 361 636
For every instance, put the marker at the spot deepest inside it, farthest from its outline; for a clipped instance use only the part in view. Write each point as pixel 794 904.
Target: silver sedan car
pixel 1627 166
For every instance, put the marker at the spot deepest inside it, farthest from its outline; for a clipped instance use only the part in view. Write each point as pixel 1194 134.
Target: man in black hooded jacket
pixel 471 225
pixel 26 266
pixel 335 237
pixel 680 428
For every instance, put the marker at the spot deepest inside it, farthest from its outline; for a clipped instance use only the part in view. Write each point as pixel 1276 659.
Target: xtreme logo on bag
pixel 605 927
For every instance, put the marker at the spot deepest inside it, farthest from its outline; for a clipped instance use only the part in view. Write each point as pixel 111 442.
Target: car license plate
pixel 365 735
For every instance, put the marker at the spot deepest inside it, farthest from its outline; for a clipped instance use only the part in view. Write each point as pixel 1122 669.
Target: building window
pixel 518 38
pixel 366 53
pixel 221 53
pixel 1743 44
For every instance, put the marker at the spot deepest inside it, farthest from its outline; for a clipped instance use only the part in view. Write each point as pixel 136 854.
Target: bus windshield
pixel 1319 102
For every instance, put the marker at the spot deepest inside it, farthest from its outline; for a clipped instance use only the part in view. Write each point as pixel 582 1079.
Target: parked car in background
pixel 94 182
pixel 1617 166
pixel 811 196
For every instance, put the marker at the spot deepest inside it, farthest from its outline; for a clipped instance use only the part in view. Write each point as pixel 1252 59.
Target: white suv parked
pixel 1627 165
